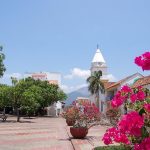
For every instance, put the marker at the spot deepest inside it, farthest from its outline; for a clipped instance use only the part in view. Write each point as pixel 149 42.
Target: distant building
pixel 99 64
pixel 51 77
pixel 112 89
pixel 82 99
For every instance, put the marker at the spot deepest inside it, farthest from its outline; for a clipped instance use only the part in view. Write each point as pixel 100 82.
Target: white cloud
pixel 69 89
pixel 109 77
pixel 77 72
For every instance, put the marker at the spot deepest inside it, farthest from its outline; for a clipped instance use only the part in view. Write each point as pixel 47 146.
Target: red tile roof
pixel 107 84
pixel 142 81
pixel 121 81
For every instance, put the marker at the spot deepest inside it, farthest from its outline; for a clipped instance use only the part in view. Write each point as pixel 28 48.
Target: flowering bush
pixel 71 113
pixel 113 114
pixel 133 128
pixel 88 115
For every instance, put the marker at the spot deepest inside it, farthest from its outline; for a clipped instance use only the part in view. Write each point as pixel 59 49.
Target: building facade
pixel 111 88
pixel 51 77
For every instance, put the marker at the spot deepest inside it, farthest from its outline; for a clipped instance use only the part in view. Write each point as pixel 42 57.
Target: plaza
pixel 45 133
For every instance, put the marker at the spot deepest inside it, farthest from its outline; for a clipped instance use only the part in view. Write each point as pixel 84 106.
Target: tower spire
pixel 97 46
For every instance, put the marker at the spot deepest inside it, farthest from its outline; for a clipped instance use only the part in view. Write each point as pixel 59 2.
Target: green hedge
pixel 114 147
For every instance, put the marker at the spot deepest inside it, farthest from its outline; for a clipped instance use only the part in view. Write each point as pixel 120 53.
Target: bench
pixel 3 116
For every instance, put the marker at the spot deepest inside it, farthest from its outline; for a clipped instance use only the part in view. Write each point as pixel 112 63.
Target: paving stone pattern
pixel 45 134
pixel 34 134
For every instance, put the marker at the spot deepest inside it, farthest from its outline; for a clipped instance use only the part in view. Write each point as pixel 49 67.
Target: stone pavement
pixel 45 134
pixel 34 134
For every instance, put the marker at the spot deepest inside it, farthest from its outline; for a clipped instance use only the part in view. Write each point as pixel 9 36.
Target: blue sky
pixel 61 35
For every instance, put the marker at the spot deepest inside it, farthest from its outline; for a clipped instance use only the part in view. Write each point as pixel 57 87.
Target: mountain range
pixel 82 92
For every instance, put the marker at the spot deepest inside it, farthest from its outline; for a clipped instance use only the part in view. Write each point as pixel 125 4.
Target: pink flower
pixel 121 138
pixel 144 145
pixel 113 134
pixel 107 139
pixel 118 100
pixel 133 98
pixel 143 61
pixel 147 107
pixel 126 89
pixel 138 60
pixel 141 95
pixel 146 55
pixel 131 124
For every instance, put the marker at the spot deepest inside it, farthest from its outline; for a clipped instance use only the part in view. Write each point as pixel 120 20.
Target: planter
pixel 70 122
pixel 78 133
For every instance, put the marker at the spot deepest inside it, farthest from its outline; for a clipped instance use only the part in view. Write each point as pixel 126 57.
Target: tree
pixel 5 97
pixel 61 95
pixel 96 85
pixel 14 81
pixel 30 100
pixel 30 94
pixel 2 67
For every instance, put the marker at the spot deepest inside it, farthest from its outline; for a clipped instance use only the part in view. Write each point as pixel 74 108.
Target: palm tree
pixel 14 81
pixel 96 85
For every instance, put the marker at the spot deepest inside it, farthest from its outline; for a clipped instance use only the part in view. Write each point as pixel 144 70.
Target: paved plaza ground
pixel 45 134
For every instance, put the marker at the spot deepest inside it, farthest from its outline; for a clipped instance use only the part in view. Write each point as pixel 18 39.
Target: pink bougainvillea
pixel 143 61
pixel 127 93
pixel 144 145
pixel 114 134
pixel 147 107
pixel 131 124
pixel 133 128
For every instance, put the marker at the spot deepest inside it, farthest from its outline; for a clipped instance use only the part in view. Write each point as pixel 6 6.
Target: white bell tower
pixel 98 63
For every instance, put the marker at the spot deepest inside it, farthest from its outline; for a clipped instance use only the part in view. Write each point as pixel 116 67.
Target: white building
pixel 99 63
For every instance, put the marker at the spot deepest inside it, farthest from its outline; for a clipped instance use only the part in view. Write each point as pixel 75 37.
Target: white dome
pixel 98 57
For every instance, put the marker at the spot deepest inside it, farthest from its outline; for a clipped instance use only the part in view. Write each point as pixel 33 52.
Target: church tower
pixel 98 63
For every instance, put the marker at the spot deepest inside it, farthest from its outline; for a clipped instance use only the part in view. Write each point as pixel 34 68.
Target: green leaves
pixel 96 85
pixel 30 95
pixel 5 96
pixel 2 67
pixel 144 132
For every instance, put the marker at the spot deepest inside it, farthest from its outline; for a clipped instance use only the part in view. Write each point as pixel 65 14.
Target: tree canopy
pixel 96 85
pixel 2 67
pixel 30 95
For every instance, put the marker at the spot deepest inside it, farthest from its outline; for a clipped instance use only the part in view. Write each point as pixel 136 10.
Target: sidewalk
pixel 92 140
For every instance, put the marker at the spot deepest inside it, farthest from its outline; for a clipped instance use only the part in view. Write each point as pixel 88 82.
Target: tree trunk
pixel 4 111
pixel 97 100
pixel 18 115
